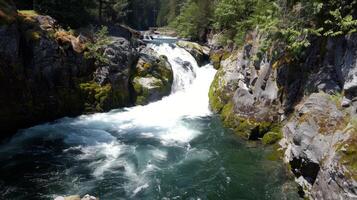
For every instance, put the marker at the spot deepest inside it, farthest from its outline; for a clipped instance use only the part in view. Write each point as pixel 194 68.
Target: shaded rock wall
pixel 45 75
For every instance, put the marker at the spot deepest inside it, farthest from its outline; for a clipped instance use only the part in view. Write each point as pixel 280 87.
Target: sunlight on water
pixel 144 152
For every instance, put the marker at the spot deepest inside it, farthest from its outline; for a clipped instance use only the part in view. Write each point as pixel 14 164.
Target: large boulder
pixel 110 87
pixel 319 148
pixel 199 52
pixel 153 77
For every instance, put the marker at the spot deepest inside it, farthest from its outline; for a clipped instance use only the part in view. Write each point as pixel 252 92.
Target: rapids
pixel 174 148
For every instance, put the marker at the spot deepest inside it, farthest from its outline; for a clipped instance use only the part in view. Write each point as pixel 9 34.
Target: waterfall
pixel 131 143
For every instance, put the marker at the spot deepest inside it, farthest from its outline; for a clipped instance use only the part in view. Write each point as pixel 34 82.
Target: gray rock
pixel 199 52
pixel 153 77
pixel 312 136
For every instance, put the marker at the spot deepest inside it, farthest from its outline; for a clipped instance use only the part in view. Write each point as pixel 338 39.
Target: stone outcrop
pixel 246 93
pixel 110 86
pixel 317 139
pixel 153 77
pixel 45 73
pixel 310 103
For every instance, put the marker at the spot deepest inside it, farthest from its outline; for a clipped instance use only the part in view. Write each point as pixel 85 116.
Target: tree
pixel 74 13
pixel 194 19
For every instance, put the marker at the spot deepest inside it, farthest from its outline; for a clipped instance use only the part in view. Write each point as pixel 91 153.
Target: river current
pixel 171 149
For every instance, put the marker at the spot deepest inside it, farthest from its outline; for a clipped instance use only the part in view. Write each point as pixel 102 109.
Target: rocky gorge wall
pixel 309 105
pixel 45 75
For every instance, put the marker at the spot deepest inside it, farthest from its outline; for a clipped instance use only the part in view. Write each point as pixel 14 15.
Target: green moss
pixel 348 151
pixel 244 127
pixel 271 138
pixel 217 98
pixel 276 154
pixel 96 94
pixel 216 60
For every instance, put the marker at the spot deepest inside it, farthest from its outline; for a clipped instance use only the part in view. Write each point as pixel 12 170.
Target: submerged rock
pixel 152 78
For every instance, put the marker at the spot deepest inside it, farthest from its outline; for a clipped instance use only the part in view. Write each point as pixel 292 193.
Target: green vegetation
pixel 193 20
pixel 74 13
pixel 349 150
pixel 271 137
pixel 95 48
pixel 96 95
pixel 285 26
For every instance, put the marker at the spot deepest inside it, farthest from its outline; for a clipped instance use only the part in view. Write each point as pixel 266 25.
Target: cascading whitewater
pixel 170 149
pixel 97 138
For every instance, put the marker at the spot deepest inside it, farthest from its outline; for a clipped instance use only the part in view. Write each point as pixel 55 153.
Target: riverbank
pixel 307 104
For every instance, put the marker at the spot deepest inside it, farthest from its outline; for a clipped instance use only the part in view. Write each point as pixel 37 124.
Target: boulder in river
pixel 199 52
pixel 152 78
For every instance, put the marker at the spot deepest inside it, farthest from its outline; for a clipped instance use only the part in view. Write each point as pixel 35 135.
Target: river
pixel 171 149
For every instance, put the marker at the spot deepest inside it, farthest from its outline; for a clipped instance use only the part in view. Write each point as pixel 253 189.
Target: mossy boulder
pixel 152 78
pixel 225 82
pixel 199 52
pixel 247 128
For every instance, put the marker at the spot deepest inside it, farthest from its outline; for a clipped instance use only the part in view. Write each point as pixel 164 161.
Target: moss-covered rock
pixel 199 52
pixel 271 138
pixel 152 78
pixel 45 78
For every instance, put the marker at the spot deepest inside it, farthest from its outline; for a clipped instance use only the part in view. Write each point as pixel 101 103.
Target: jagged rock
pixel 246 93
pixel 200 53
pixel 110 86
pixel 313 137
pixel 153 77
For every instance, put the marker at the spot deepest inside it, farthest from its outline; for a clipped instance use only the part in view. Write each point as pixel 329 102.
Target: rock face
pixel 153 77
pixel 45 75
pixel 111 80
pixel 316 141
pixel 314 99
pixel 246 93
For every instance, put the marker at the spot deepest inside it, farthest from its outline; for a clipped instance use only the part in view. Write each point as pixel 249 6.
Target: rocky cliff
pixel 45 75
pixel 309 103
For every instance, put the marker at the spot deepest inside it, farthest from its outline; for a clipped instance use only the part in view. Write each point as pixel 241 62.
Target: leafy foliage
pixel 194 19
pixel 95 48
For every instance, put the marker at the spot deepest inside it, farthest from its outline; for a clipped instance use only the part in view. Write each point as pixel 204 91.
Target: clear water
pixel 171 149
